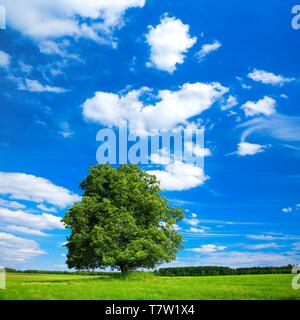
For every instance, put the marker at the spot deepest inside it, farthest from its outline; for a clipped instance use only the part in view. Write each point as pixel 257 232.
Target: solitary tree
pixel 122 221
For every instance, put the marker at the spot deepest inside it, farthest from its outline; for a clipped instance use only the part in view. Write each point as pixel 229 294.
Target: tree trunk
pixel 124 269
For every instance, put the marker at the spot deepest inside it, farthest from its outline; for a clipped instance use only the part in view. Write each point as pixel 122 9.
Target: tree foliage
pixel 122 221
pixel 221 271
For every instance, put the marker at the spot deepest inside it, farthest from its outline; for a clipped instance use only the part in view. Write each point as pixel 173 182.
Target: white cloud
pixel 176 227
pixel 296 246
pixel 281 127
pixel 180 176
pixel 15 249
pixel 65 131
pixel 243 84
pixel 260 237
pixel 196 230
pixel 208 48
pixel 45 208
pixel 270 245
pixel 236 259
pixel 169 42
pixel 4 59
pixel 24 67
pixel 268 77
pixel 11 204
pixel 247 259
pixel 208 248
pixel 94 19
pixel 57 48
pixel 35 86
pixel 192 222
pixel 230 103
pixel 24 230
pixel 172 107
pixel 265 106
pixel 287 210
pixel 43 221
pixel 197 150
pixel 66 134
pixel 163 157
pixel 271 236
pixel 28 187
pixel 249 149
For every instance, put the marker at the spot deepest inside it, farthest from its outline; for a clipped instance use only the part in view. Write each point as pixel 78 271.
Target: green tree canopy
pixel 122 221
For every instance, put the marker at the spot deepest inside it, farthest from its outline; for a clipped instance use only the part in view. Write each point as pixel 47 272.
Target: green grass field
pixel 142 286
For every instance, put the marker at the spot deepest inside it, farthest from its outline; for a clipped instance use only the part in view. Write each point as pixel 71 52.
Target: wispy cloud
pixel 43 221
pixel 16 249
pixel 207 49
pixel 230 103
pixel 23 186
pixel 208 248
pixel 281 127
pixel 24 230
pixel 35 85
pixel 270 245
pixel 269 78
pixel 4 60
pixel 272 237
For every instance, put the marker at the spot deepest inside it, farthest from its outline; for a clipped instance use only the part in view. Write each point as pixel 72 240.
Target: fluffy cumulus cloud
pixel 43 221
pixel 170 109
pixel 208 248
pixel 265 106
pixel 58 18
pixel 249 149
pixel 29 187
pixel 4 60
pixel 268 78
pixel 16 249
pixel 180 176
pixel 207 49
pixel 169 42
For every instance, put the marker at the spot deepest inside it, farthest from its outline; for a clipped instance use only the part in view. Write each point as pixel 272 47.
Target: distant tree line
pixel 178 272
pixel 221 271
pixel 87 273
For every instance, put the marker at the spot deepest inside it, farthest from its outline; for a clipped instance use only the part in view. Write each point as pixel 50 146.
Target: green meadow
pixel 143 286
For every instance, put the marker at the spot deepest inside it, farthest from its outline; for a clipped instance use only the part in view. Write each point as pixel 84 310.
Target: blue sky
pixel 231 67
